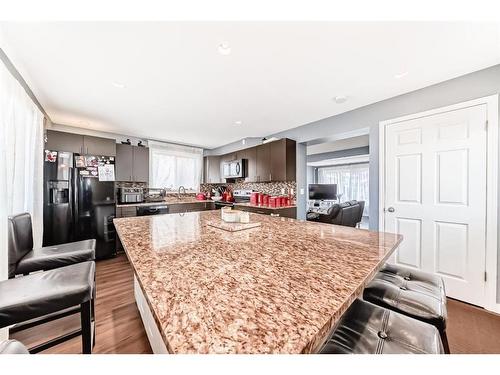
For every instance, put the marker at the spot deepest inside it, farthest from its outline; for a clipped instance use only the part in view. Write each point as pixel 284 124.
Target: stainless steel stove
pixel 240 196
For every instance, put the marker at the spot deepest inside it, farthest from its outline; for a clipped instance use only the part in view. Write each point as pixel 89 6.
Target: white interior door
pixel 435 196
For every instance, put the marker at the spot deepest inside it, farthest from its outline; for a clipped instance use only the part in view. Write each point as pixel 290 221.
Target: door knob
pixel 391 209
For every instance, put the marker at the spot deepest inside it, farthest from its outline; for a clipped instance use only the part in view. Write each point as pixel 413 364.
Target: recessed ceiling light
pixel 239 122
pixel 339 99
pixel 224 49
pixel 400 75
pixel 118 85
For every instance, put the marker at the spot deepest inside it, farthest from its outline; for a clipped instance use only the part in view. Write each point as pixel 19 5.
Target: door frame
pixel 491 258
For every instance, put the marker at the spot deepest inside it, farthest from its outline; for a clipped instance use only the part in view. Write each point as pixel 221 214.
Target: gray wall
pixel 301 177
pixel 310 175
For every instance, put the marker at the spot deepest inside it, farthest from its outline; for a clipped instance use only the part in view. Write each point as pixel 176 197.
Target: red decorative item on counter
pixel 254 198
pixel 265 200
pixel 272 202
pixel 201 197
pixel 278 201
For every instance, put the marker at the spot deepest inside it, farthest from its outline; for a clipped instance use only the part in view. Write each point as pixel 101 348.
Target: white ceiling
pixel 278 75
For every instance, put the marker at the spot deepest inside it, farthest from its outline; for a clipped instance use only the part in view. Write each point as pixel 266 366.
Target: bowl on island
pixel 216 199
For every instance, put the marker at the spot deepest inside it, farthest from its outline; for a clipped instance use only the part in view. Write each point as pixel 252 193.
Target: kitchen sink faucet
pixel 183 191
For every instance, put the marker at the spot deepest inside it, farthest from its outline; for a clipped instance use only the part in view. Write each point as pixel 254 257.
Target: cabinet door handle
pixel 270 177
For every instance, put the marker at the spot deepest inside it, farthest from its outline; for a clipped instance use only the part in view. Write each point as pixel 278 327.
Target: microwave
pixel 233 169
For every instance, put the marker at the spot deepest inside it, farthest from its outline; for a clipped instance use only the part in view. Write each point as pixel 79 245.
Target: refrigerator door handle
pixel 70 201
pixel 74 182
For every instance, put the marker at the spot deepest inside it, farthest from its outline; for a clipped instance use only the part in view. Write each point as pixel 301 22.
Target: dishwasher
pixel 152 210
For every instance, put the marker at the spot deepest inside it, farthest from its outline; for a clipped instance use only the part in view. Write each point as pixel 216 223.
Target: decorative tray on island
pixel 232 227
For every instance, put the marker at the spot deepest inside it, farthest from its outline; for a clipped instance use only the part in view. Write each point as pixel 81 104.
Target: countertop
pixel 279 288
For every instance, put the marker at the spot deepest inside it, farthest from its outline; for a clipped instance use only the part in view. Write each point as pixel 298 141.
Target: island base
pixel 152 331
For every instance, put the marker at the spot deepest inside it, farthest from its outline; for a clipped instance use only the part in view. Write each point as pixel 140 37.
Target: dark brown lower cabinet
pixel 179 208
pixel 290 212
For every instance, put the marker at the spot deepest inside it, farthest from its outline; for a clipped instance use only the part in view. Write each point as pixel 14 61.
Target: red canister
pixel 272 202
pixel 254 198
pixel 265 200
pixel 278 201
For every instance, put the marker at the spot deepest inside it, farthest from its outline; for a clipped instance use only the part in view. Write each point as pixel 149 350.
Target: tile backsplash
pixel 271 188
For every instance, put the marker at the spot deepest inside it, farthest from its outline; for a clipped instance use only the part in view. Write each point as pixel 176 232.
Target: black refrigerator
pixel 79 200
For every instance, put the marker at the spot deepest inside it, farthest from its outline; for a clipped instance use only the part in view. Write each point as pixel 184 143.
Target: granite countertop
pixel 264 207
pixel 279 288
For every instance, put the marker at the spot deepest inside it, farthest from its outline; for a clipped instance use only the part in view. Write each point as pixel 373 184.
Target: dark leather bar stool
pixel 23 259
pixel 369 329
pixel 12 347
pixel 44 293
pixel 416 294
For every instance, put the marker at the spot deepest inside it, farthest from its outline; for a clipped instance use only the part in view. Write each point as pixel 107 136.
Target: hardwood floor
pixel 119 327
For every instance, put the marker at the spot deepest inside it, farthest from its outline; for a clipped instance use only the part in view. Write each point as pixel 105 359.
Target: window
pixel 352 181
pixel 173 166
pixel 21 161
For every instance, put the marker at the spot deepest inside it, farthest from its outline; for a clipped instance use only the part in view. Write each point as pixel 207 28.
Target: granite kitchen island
pixel 278 288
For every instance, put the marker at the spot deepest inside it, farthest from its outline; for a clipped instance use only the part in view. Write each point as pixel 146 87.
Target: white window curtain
pixel 21 159
pixel 352 181
pixel 172 166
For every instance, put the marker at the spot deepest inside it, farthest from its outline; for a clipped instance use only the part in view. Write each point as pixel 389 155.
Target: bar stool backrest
pixel 20 239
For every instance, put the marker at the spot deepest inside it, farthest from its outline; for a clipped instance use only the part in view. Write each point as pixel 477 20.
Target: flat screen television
pixel 323 191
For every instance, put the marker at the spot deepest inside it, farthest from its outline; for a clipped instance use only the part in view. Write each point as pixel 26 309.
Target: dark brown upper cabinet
pixel 211 169
pixel 99 146
pixel 283 163
pixel 263 162
pixel 273 161
pixel 62 141
pixel 250 155
pixel 80 144
pixel 141 164
pixel 132 163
